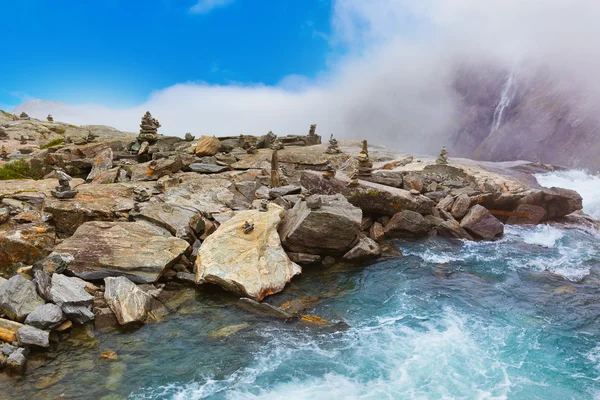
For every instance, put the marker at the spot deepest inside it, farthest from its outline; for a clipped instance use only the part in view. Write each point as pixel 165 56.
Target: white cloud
pixel 394 86
pixel 206 6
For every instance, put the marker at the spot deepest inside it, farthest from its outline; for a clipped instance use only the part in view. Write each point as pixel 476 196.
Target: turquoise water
pixel 518 318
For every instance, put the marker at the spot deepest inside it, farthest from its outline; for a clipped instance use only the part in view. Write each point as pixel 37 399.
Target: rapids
pixel 512 319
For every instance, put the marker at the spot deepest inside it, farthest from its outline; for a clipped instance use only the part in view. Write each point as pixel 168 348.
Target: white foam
pixel 543 235
pixel 588 186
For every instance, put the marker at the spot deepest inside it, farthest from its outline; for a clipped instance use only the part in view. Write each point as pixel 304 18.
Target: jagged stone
pixel 365 249
pixel 171 217
pixel 284 191
pixel 208 168
pixel 70 295
pixel 331 229
pixel 407 223
pixel 377 232
pixel 253 265
pixel 28 336
pixel 25 243
pixel 452 228
pixel 446 203
pixel 136 250
pixel 461 206
pixel 130 304
pixel 481 223
pixel 304 258
pixel 46 316
pixel 18 298
pixel 155 169
pixel 412 182
pixel 43 283
pixel 102 163
pixel 207 146
pixel 536 215
pixel 17 361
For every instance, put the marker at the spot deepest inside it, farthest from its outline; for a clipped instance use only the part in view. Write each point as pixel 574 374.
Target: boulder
pixel 136 250
pixel 18 298
pixel 365 249
pixel 102 163
pixel 482 224
pixel 451 228
pixel 557 202
pixel 371 198
pixel 70 295
pixel 207 146
pixel 377 232
pixel 129 303
pixel 388 178
pixel 407 223
pixel 17 361
pixel 176 219
pixel 46 316
pixel 331 229
pixel 25 243
pixel 446 203
pixel 460 206
pixel 29 336
pixel 155 169
pixel 413 182
pixel 249 264
pixel 110 176
pixel 536 215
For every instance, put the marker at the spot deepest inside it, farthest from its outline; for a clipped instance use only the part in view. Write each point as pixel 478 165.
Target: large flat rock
pixel 26 243
pixel 372 198
pixel 250 264
pixel 135 250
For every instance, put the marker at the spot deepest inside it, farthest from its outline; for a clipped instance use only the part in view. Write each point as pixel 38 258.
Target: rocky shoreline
pixel 152 215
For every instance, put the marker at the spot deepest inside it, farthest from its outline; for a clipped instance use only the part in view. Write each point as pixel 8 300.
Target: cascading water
pixel 508 93
pixel 588 186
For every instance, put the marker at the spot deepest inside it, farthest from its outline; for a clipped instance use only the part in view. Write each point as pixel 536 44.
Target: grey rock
pixel 461 206
pixel 43 283
pixel 30 336
pixel 130 304
pixel 51 264
pixel 2 281
pixel 451 228
pixel 304 258
pixel 17 361
pixel 263 309
pixel 176 219
pixel 388 178
pixel 407 223
pixel 18 298
pixel 331 229
pixel 47 317
pixel 208 168
pixel 284 191
pixel 413 182
pixel 481 223
pixel 70 295
pixel 365 249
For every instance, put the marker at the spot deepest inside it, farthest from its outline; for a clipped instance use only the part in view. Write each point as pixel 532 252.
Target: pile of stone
pixel 4 155
pixel 148 129
pixel 50 118
pixel 329 171
pixel 312 138
pixel 63 190
pixel 333 147
pixel 277 145
pixel 443 157
pixel 24 116
pixel 365 166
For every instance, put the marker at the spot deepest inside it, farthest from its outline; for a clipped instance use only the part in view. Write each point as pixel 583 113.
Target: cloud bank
pixel 206 6
pixel 393 86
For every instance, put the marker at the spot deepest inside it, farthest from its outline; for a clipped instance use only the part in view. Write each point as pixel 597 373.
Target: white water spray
pixel 588 186
pixel 508 93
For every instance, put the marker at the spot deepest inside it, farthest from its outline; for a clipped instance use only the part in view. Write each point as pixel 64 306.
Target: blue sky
pixel 118 52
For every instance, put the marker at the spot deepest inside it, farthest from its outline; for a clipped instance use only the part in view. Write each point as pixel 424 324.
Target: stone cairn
pixel 4 154
pixel 24 139
pixel 189 137
pixel 148 129
pixel 63 190
pixel 353 180
pixel 252 150
pixel 263 206
pixel 248 227
pixel 90 137
pixel 329 172
pixel 365 166
pixel 313 130
pixel 50 118
pixel 24 116
pixel 312 138
pixel 3 134
pixel 277 145
pixel 443 157
pixel 333 148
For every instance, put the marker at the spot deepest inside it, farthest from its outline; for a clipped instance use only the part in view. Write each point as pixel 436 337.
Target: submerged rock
pixel 30 336
pixel 263 309
pixel 18 298
pixel 252 265
pixel 133 249
pixel 536 215
pixel 332 228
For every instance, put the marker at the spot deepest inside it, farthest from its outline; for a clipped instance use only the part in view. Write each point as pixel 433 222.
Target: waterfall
pixel 507 95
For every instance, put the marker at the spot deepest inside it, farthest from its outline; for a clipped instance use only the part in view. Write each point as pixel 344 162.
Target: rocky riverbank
pixel 155 215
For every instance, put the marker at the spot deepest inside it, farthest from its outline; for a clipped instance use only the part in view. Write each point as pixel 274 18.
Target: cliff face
pixel 506 115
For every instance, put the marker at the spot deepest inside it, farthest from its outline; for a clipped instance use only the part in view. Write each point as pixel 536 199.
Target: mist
pixel 394 83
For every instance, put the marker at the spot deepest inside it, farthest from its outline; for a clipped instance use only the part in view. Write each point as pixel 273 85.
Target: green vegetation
pixel 18 170
pixel 52 143
pixel 57 129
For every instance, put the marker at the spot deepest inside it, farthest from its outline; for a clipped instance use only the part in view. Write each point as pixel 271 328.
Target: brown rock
pixel 207 146
pixel 451 228
pixel 536 215
pixel 407 223
pixel 461 206
pixel 413 182
pixel 377 232
pixel 482 224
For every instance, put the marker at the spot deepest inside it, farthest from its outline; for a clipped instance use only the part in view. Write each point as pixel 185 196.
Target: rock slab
pixel 70 295
pixel 18 298
pixel 130 304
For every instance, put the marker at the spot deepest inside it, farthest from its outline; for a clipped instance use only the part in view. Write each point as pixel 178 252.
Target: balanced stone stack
pixel 252 150
pixel 148 129
pixel 50 118
pixel 443 157
pixel 333 146
pixel 189 137
pixel 329 172
pixel 277 145
pixel 4 154
pixel 312 138
pixel 24 116
pixel 365 166
pixel 24 139
pixel 63 190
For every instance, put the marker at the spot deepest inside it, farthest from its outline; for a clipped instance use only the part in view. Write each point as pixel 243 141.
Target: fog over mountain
pixel 492 80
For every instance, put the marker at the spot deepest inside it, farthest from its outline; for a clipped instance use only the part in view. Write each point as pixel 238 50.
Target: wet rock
pixel 130 304
pixel 8 330
pixel 102 163
pixel 263 309
pixel 208 168
pixel 407 223
pixel 536 215
pixel 557 202
pixel 18 298
pixel 284 191
pixel 331 229
pixel 252 265
pixel 70 295
pixel 365 249
pixel 304 258
pixel 207 146
pixel 452 228
pixel 461 206
pixel 377 232
pixel 46 317
pixel 482 224
pixel 104 318
pixel 370 197
pixel 28 336
pixel 17 361
pixel 227 331
pixel 136 250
